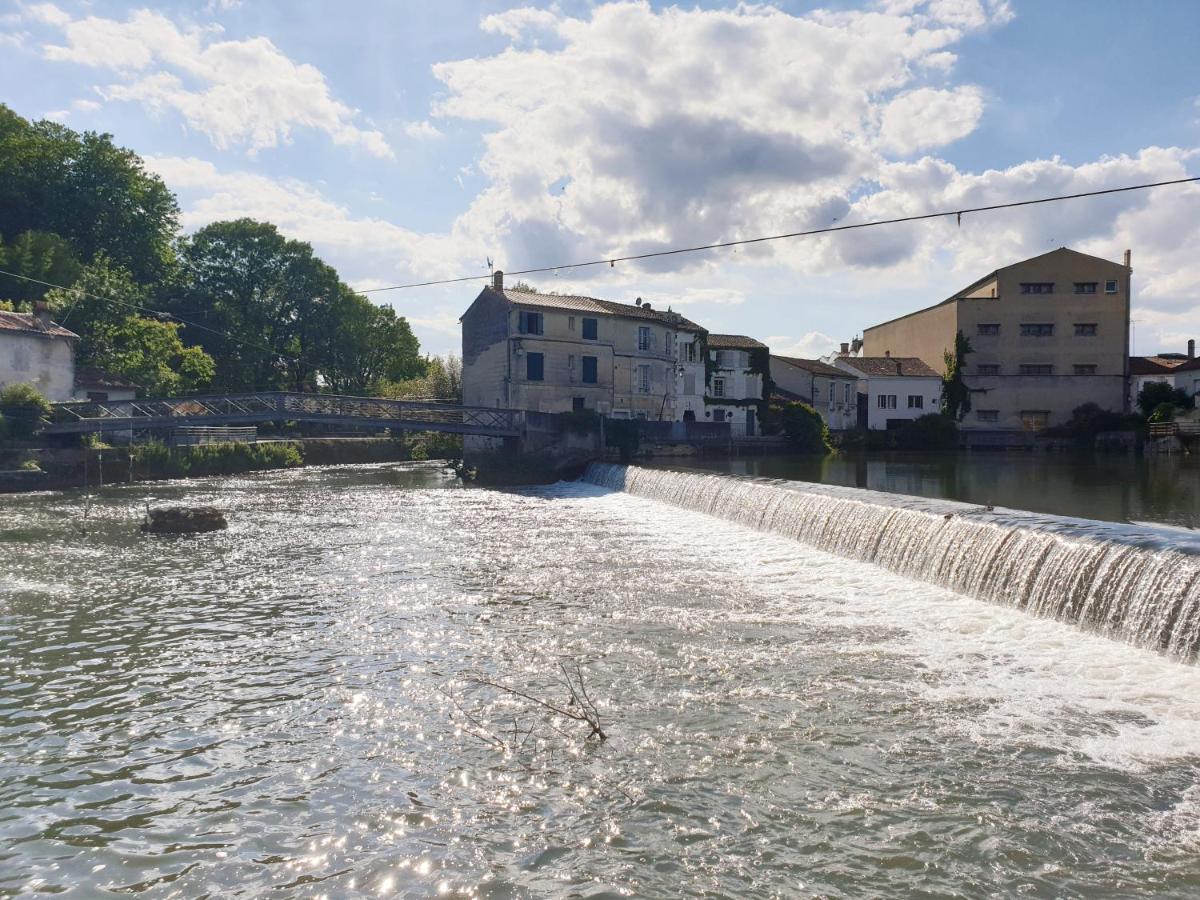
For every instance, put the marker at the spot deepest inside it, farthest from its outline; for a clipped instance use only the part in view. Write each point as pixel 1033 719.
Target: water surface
pixel 282 708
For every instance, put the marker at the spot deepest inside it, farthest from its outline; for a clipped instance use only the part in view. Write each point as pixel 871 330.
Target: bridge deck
pixel 267 406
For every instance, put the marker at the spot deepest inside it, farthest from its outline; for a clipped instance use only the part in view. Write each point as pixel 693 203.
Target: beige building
pixel 830 391
pixel 556 353
pixel 1048 334
pixel 734 392
pixel 36 351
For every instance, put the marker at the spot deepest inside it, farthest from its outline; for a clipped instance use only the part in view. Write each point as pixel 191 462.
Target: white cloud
pixel 234 92
pixel 811 345
pixel 926 117
pixel 424 130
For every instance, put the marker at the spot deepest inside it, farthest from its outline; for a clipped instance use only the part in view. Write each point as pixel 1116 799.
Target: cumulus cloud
pixel 423 130
pixel 811 345
pixel 234 92
pixel 927 117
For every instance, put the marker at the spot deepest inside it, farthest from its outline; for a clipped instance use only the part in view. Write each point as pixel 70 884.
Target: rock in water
pixel 183 520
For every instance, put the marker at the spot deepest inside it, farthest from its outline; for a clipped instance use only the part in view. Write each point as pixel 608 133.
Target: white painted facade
pixel 895 398
pixel 44 360
pixel 732 382
pixel 689 377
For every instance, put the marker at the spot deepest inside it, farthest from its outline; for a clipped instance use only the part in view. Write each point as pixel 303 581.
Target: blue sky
pixel 412 140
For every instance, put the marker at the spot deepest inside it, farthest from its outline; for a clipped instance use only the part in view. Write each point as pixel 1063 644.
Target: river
pixel 294 706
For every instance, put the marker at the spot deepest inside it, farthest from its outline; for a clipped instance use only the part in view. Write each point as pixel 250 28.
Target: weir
pixel 1135 583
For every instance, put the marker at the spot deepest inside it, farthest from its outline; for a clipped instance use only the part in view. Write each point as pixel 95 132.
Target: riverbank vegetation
pixel 805 430
pixel 236 306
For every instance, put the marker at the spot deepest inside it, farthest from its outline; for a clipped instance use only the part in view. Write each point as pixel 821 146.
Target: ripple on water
pixel 289 704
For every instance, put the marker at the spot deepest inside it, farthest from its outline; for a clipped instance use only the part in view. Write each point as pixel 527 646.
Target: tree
pixel 442 381
pixel 102 307
pixel 956 396
pixel 85 189
pixel 370 345
pixel 36 254
pixel 1156 393
pixel 802 425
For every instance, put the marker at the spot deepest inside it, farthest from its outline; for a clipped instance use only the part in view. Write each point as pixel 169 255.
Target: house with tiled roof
pixel 553 353
pixel 34 350
pixel 829 390
pixel 1181 370
pixel 738 385
pixel 894 390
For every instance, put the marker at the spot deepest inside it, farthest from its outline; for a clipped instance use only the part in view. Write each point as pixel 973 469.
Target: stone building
pixel 1048 334
pixel 557 353
pixel 893 390
pixel 36 351
pixel 830 391
pixel 741 369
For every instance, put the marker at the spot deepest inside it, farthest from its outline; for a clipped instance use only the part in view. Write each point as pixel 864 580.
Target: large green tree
pixel 956 396
pixel 93 194
pixel 41 255
pixel 276 316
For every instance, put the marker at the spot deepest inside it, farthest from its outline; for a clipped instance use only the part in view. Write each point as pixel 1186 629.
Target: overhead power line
pixel 958 213
pixel 156 313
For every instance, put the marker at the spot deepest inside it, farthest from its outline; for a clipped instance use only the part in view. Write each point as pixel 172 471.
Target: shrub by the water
pixel 802 425
pixel 214 459
pixel 24 410
pixel 435 445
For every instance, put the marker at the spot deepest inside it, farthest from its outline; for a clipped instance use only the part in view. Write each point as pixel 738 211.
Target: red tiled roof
pixel 1157 365
pixel 31 324
pixel 813 365
pixel 734 342
pixel 891 366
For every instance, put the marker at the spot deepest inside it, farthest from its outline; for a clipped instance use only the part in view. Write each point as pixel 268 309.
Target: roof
pixel 995 273
pixel 891 366
pixel 1155 365
pixel 595 305
pixel 734 342
pixel 813 365
pixel 92 377
pixel 31 324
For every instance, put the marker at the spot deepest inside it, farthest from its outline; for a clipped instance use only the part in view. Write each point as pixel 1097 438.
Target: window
pixel 886 401
pixel 535 366
pixel 1085 368
pixel 577 404
pixel 643 337
pixel 644 379
pixel 590 329
pixel 718 415
pixel 1085 287
pixel 689 353
pixel 1038 369
pixel 987 369
pixel 689 384
pixel 1037 330
pixel 992 328
pixel 1037 287
pixel 588 369
pixel 1085 329
pixel 1035 419
pixel 718 386
pixel 1110 287
pixel 915 401
pixel 987 415
pixel 571 365
pixel 529 322
pixel 571 323
pixel 848 386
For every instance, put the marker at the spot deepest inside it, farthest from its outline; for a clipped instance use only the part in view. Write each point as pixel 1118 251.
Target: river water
pixel 295 706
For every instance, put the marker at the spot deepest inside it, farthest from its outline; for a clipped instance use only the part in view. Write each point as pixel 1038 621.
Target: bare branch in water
pixel 579 706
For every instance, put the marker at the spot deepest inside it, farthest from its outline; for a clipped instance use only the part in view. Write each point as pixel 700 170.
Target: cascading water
pixel 1139 584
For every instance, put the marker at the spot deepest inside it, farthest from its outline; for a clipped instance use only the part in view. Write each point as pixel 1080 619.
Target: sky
pixel 413 141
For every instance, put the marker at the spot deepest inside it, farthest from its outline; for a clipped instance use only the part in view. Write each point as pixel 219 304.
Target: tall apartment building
pixel 1048 334
pixel 557 353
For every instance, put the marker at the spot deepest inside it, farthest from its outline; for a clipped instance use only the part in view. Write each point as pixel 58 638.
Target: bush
pixel 802 425
pixel 1089 420
pixel 935 431
pixel 625 435
pixel 1157 393
pixel 157 460
pixel 435 445
pixel 580 421
pixel 1164 412
pixel 24 409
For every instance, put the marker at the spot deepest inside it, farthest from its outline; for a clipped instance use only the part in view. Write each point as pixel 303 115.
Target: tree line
pixel 235 306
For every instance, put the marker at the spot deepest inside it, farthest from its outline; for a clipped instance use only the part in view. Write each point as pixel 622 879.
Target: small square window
pixel 916 401
pixel 529 322
pixel 1110 287
pixel 1085 329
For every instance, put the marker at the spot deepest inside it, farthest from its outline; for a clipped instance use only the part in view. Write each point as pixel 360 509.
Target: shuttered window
pixel 535 366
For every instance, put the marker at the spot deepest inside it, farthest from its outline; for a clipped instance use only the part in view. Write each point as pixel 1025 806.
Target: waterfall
pixel 1135 583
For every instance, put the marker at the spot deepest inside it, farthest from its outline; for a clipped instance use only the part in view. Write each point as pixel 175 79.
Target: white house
pixel 898 389
pixel 36 351
pixel 100 386
pixel 736 387
pixel 689 375
pixel 830 391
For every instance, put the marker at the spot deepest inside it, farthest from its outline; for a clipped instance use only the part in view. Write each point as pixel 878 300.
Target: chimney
pixel 41 311
pixel 1128 258
pixel 845 351
pixel 498 280
pixel 1191 348
pixel 638 301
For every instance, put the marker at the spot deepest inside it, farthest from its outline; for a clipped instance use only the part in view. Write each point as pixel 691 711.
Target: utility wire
pixel 959 213
pixel 157 313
